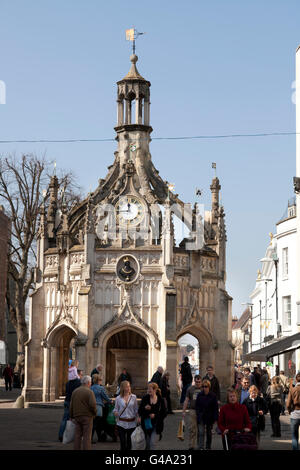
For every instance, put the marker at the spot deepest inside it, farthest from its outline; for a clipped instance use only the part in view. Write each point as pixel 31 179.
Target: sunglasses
pixel 205 386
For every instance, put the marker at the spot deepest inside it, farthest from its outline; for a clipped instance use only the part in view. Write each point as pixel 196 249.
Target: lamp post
pixel 275 259
pixel 265 280
pixel 250 305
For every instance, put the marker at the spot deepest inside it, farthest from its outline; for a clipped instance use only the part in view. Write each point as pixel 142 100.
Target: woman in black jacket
pixel 207 414
pixel 257 408
pixel 152 412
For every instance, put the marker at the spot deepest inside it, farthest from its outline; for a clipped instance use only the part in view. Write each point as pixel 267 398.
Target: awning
pixel 278 347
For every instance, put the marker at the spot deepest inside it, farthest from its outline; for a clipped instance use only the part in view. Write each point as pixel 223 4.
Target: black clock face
pixel 130 211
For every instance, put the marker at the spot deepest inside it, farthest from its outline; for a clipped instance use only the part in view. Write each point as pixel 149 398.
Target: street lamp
pixel 265 280
pixel 275 259
pixel 250 322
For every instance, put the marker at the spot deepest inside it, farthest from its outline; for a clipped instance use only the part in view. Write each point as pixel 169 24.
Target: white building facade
pixel 274 298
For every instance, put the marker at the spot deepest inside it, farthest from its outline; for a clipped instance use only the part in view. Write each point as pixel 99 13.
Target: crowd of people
pixel 251 397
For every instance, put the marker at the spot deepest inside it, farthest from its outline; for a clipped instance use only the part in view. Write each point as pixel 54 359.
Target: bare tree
pixel 22 182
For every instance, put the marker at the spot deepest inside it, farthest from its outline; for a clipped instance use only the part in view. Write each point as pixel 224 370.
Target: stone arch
pixel 57 349
pixel 206 344
pixel 131 344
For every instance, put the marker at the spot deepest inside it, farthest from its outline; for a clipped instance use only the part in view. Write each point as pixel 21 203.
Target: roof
pixel 242 320
pixel 133 73
pixel 290 343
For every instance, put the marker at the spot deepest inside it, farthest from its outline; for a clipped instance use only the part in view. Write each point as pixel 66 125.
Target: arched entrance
pixel 188 345
pixel 59 347
pixel 201 340
pixel 127 349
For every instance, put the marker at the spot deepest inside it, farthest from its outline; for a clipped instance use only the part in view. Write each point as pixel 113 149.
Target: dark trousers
pixel 98 426
pixel 125 437
pixel 275 410
pixel 183 392
pixel 8 381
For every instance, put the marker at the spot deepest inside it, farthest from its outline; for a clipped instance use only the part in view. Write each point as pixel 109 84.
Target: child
pixel 72 372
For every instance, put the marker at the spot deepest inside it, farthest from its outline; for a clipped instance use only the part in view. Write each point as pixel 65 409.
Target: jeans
pixel 183 392
pixel 125 437
pixel 64 420
pixel 151 438
pixel 295 423
pixel 201 434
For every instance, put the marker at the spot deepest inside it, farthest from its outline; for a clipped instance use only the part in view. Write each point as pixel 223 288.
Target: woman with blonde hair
pixel 152 412
pixel 206 407
pixel 126 410
pixel 275 401
pixel 257 408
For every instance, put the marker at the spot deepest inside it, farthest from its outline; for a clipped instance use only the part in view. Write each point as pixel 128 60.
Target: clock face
pixel 129 211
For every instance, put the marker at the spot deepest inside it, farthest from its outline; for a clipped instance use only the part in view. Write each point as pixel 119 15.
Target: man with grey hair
pixel 157 377
pixel 83 409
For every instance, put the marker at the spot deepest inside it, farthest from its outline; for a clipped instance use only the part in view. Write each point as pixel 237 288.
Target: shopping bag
pixel 138 441
pixel 180 432
pixel 69 432
pixel 111 419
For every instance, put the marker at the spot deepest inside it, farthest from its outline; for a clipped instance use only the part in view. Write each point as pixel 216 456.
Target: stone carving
pixel 181 261
pixel 52 261
pixel 77 258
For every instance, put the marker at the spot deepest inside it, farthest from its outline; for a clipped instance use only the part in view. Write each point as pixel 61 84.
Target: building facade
pixel 110 283
pixel 274 310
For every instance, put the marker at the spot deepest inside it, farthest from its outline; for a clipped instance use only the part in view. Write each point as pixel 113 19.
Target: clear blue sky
pixel 218 67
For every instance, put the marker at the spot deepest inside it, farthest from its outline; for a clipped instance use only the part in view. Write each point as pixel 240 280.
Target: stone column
pixel 171 367
pixel 120 117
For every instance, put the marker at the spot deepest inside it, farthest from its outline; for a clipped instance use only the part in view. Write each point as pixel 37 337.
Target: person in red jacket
pixel 233 417
pixel 8 375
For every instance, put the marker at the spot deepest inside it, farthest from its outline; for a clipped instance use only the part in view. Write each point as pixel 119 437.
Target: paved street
pixel 36 428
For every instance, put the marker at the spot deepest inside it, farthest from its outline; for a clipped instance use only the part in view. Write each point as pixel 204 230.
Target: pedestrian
pixel 71 385
pixel 101 396
pixel 284 380
pixel 8 375
pixel 97 370
pixel 190 400
pixel 256 377
pixel 72 371
pixel 165 392
pixel 124 376
pixel 207 414
pixel 238 384
pixel 264 382
pixel 249 375
pixel 215 386
pixel 125 411
pixel 186 378
pixel 257 408
pixel 275 401
pixel 152 412
pixel 83 410
pixel 293 407
pixel 233 417
pixel 157 377
pixel 243 392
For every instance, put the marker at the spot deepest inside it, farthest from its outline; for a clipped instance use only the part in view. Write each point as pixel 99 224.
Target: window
pixel 285 262
pixel 286 312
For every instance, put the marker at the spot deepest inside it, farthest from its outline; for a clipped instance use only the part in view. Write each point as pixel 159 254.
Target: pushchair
pixel 240 440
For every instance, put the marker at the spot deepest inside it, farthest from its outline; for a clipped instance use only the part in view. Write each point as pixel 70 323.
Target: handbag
pixel 69 432
pixel 148 424
pixel 261 422
pixel 111 419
